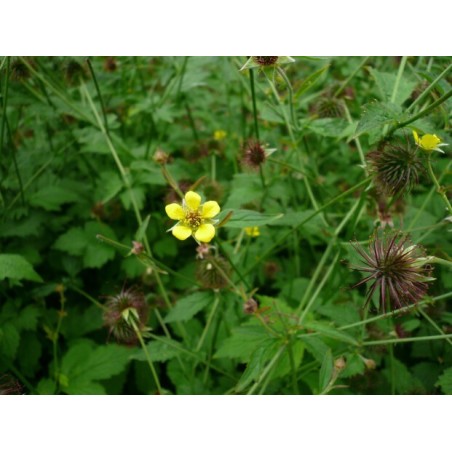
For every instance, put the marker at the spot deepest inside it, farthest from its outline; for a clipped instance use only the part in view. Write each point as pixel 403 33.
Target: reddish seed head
pixel 116 305
pixel 254 155
pixel 393 266
pixel 265 60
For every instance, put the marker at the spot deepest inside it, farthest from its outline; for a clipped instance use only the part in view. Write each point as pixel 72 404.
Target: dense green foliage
pixel 267 310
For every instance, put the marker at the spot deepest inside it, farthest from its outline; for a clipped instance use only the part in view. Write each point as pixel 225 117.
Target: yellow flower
pixel 219 135
pixel 429 142
pixel 194 219
pixel 253 231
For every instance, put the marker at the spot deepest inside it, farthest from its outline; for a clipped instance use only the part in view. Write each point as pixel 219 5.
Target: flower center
pixel 193 219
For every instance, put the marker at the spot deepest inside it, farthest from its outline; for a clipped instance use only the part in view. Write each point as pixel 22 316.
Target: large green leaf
pixel 83 242
pixel 189 306
pixel 445 381
pixel 14 266
pixel 86 363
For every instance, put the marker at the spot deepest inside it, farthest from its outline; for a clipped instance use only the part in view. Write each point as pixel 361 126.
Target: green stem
pixel 422 113
pixel 398 78
pixel 267 369
pixel 429 88
pixel 253 96
pixel 87 296
pixel 438 260
pixel 102 105
pixel 439 189
pixel 283 238
pixel 434 324
pixel 347 80
pixel 406 339
pixel 356 140
pixel 319 288
pixel 148 358
pixel 428 197
pixel 209 321
pixel 290 89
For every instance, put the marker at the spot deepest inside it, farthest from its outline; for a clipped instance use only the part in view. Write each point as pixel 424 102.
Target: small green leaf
pixel 309 82
pixel 160 351
pixel 326 371
pixel 187 307
pixel 15 266
pixel 141 232
pixel 445 381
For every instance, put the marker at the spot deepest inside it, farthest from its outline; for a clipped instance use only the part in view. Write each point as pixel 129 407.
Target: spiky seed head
pixel 254 155
pixel 213 272
pixel 110 64
pixel 266 60
pixel 397 269
pixel 160 157
pixel 123 311
pixel 396 168
pixel 10 386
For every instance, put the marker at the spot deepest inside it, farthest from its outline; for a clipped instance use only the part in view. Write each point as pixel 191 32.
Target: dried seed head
pixel 19 70
pixel 266 60
pixel 250 306
pixel 340 364
pixel 110 64
pixel 160 157
pixel 213 272
pixel 398 269
pixel 10 386
pixel 396 168
pixel 123 311
pixel 327 106
pixel 74 72
pixel 254 155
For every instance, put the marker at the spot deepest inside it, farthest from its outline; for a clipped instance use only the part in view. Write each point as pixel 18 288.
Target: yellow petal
pixel 193 200
pixel 205 233
pixel 181 232
pixel 210 209
pixel 252 231
pixel 416 137
pixel 175 211
pixel 429 142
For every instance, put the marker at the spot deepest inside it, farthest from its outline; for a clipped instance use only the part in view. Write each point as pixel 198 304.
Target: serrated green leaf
pixel 83 242
pixel 376 115
pixel 386 82
pixel 9 341
pixel 72 242
pixel 160 351
pixel 242 343
pixel 53 197
pixel 257 362
pixel 85 363
pixel 187 307
pixel 15 266
pixel 445 381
